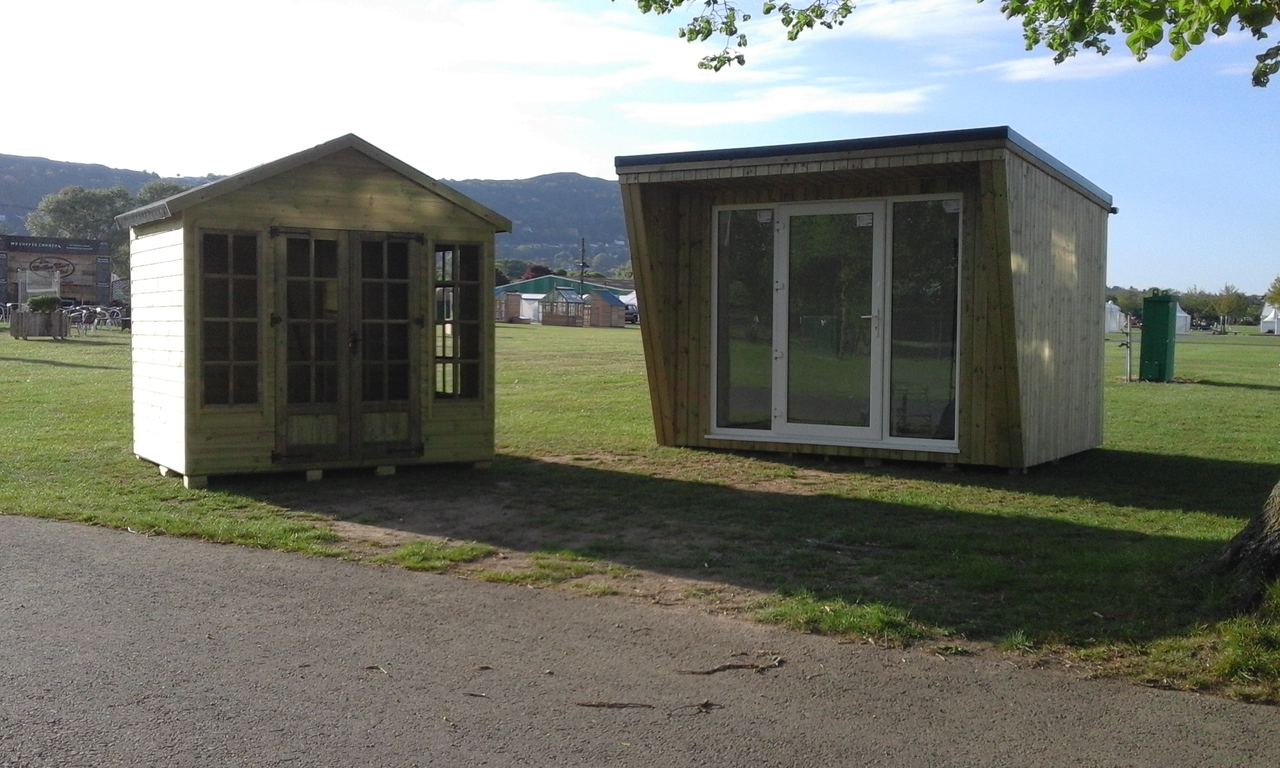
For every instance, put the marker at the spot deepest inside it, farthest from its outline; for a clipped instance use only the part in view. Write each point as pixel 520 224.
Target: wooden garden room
pixel 930 297
pixel 329 309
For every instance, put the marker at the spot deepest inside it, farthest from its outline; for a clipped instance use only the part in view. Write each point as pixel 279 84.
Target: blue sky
pixel 516 88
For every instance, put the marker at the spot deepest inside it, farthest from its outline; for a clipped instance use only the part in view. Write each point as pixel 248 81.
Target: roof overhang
pixel 917 150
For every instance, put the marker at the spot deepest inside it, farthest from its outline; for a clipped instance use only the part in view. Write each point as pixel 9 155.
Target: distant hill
pixel 549 214
pixel 25 180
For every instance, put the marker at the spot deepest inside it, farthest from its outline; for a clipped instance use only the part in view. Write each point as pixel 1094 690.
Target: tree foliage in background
pixel 1201 305
pixel 81 213
pixel 1272 295
pixel 90 214
pixel 1062 26
pixel 536 270
pixel 1230 303
pixel 1198 303
pixel 158 190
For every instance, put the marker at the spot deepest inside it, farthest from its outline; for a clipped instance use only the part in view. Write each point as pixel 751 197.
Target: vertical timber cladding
pixel 1028 369
pixel 1058 259
pixel 995 428
pixel 648 208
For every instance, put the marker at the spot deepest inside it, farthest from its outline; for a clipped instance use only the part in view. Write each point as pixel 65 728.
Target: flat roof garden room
pixel 930 297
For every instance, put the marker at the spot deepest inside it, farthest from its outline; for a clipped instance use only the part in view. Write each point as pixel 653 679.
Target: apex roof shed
pixel 328 309
pixel 928 297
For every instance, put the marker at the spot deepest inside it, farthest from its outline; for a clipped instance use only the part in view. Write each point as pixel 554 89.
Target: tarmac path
pixel 118 649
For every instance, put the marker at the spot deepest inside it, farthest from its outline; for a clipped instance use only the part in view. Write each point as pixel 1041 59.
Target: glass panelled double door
pixel 837 321
pixel 351 325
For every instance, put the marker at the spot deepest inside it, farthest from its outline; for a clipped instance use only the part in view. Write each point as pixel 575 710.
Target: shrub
pixel 44 303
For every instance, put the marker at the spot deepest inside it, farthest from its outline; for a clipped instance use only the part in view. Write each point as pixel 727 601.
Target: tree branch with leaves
pixel 1063 26
pixel 1066 26
pixel 723 17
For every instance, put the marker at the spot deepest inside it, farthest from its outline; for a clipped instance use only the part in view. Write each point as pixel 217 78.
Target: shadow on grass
pixel 1239 385
pixel 1221 487
pixel 981 574
pixel 59 364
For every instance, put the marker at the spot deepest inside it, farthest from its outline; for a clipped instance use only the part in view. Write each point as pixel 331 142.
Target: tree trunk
pixel 1253 555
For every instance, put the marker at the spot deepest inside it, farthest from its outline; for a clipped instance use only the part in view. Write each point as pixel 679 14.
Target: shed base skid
pixel 310 475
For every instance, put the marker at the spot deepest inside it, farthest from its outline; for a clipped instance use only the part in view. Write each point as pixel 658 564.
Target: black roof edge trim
pixel 994 133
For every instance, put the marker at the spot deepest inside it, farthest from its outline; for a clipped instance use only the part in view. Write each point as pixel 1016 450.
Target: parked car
pixel 631 314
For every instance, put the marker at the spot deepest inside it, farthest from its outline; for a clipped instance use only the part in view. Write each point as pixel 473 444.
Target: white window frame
pixel 882 307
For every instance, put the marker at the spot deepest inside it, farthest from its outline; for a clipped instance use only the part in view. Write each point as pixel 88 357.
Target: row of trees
pixel 607 261
pixel 510 270
pixel 1204 306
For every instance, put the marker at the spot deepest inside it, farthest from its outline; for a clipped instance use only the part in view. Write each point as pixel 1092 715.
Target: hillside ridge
pixel 551 214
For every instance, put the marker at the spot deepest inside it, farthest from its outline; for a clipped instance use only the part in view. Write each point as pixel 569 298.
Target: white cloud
pixel 1085 66
pixel 926 19
pixel 775 104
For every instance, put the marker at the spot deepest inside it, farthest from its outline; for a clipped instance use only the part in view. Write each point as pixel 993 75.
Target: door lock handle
pixel 354 343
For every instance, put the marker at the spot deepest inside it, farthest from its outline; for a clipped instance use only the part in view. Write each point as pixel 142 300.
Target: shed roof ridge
pixel 163 209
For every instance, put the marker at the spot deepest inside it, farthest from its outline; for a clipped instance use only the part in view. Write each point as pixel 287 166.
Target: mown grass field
pixel 1091 560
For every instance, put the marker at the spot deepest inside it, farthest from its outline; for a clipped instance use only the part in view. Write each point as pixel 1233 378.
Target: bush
pixel 44 303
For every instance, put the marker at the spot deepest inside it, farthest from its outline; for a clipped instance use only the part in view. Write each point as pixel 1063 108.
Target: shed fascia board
pixel 667 167
pixel 170 206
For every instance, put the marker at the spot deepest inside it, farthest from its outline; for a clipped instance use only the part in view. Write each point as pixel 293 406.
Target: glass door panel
pixel 829 319
pixel 829 359
pixel 384 411
pixel 311 320
pixel 384 282
pixel 923 323
pixel 744 319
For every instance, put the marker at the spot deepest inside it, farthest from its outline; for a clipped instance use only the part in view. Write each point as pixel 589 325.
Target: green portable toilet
pixel 1159 331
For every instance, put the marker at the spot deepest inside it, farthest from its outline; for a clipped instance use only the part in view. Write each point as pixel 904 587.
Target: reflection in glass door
pixel 924 322
pixel 827 297
pixel 744 319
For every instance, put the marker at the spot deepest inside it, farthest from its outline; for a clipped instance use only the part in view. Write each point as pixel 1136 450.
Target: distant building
pixel 60 266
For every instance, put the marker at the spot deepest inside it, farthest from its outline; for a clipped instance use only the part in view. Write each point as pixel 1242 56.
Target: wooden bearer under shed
pixel 329 309
pixel 931 297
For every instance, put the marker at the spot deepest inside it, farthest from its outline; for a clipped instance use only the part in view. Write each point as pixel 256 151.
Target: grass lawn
pixel 1091 560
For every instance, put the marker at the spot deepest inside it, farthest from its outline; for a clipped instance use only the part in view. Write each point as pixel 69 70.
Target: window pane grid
pixel 384 330
pixel 311 307
pixel 230 319
pixel 456 269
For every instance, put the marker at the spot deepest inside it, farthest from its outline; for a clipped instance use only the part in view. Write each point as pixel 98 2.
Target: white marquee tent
pixel 1182 321
pixel 1115 318
pixel 1270 319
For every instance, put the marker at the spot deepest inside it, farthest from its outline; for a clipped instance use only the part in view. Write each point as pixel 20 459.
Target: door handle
pixel 354 343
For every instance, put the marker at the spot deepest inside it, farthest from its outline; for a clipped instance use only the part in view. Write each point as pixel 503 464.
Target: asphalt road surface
pixel 122 650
